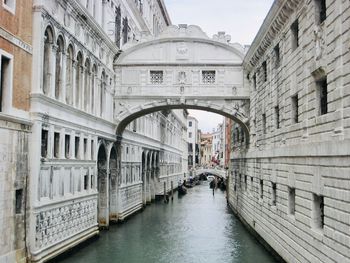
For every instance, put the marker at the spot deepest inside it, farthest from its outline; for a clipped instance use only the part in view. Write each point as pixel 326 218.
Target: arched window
pixel 58 75
pixel 78 78
pixel 93 83
pixel 48 41
pixel 102 92
pixel 69 75
pixel 87 82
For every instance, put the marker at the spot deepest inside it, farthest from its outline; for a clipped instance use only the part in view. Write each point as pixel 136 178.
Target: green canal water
pixel 195 228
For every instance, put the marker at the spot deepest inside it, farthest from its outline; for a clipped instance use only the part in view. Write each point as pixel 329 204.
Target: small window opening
pixel 264 67
pixel 277 117
pixel 322 91
pixel 261 189
pixel 240 181
pixel 291 200
pixel 321 11
pixel 277 56
pixel 295 106
pixel 264 123
pixel 86 181
pixel 66 145
pixel 77 145
pixel 254 81
pixel 208 76
pixel 318 211
pixel 245 183
pixel 156 76
pixel 4 79
pixel 44 142
pixel 295 35
pixel 274 191
pixel 56 145
pixel 92 178
pixel 19 200
pixel 92 149
pixel 85 147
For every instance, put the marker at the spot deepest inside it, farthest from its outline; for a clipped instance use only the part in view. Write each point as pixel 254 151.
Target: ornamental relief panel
pixel 55 225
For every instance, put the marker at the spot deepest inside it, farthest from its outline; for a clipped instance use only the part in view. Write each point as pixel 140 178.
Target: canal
pixel 197 227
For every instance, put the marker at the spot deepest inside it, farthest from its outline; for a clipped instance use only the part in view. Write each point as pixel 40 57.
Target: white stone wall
pixel 310 156
pixel 13 176
pixel 75 98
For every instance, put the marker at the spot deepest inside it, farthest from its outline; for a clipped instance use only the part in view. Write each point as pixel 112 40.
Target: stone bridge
pixel 214 171
pixel 181 69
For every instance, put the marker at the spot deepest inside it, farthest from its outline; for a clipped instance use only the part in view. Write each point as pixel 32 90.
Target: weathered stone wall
pixel 13 180
pixel 277 183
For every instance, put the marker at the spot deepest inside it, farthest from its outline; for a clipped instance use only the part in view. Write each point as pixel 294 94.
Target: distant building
pixel 218 145
pixel 193 139
pixel 206 149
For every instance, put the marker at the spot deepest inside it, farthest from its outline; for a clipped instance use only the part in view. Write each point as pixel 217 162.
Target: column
pixel 52 71
pixel 72 146
pixel 63 78
pixel 62 144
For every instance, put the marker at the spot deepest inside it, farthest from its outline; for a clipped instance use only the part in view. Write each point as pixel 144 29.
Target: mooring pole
pixel 172 191
pixel 164 192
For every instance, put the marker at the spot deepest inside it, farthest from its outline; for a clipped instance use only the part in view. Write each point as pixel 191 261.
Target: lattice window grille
pixel 208 76
pixel 156 77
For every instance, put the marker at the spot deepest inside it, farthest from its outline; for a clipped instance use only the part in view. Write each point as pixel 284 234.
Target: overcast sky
pixel 239 18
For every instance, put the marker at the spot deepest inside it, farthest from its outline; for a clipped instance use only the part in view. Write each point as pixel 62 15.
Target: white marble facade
pixel 82 176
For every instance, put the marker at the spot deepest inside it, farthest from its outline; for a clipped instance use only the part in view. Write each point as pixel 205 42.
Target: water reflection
pixel 196 228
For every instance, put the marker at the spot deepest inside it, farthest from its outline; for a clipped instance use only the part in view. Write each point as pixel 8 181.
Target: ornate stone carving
pixel 182 50
pixel 182 77
pixel 319 42
pixel 56 224
pixel 234 90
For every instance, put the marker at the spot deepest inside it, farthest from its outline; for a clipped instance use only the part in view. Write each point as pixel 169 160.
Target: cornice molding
pixel 273 24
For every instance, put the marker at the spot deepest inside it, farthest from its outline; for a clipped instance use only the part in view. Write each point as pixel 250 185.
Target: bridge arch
pixel 232 113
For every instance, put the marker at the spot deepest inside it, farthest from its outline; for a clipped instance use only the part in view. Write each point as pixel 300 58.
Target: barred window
pixel 156 76
pixel 208 76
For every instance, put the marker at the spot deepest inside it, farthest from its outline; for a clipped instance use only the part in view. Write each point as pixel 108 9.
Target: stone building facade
pixel 291 185
pixel 15 60
pixel 82 175
pixel 193 142
pixel 206 149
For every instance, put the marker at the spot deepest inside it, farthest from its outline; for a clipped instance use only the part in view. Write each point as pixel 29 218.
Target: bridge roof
pixel 182 45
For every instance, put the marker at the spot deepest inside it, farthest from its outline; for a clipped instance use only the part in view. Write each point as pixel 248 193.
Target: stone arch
pixel 78 79
pixel 47 59
pixel 102 186
pixel 93 87
pixel 87 84
pixel 235 113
